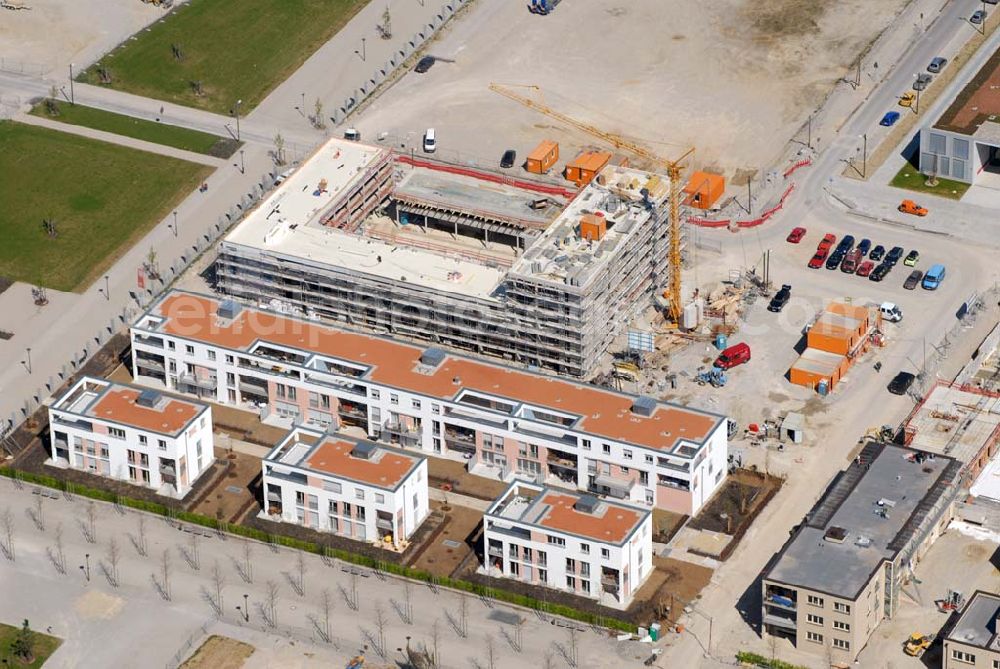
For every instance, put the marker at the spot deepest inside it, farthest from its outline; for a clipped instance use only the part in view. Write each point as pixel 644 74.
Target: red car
pixel 796 235
pixel 827 242
pixel 820 257
pixel 865 268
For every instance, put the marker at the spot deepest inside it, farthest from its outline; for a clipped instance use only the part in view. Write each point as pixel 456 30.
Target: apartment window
pixel 379 498
pixel 515 569
pixel 512 550
pixel 586 444
pixel 416 502
pixel 996 664
pixel 527 554
pixel 171 346
pixel 585 549
pixel 143 440
pixel 644 478
pixel 606 448
pixel 359 494
pixel 280 389
pixel 814 600
pixel 116 432
pixel 627 453
pixel 375 394
pixel 291 392
pixel 415 404
pixel 211 354
pixel 542 558
pixel 556 541
pixel 197 449
pixel 840 607
pixel 333 507
pixel 393 398
pixel 814 637
pixel 585 585
pixel 229 359
pixel 814 619
pixel 962 656
pixel 162 444
pixel 571 582
pixel 436 408
pixel 332 486
pixel 841 644
pixel 585 569
pixel 570 564
pixel 189 349
pixel 361 513
pixel 649 459
pixel 347 509
pixel 543 575
pixel 841 625
pixel 606 553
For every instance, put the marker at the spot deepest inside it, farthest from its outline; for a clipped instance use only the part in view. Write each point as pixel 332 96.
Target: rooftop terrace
pixel 604 413
pixel 955 422
pixel 580 515
pixel 977 103
pixel 129 406
pixel 866 516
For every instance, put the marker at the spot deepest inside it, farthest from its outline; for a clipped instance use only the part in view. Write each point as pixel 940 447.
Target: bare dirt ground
pixel 735 78
pixel 461 525
pixel 219 652
pixel 55 33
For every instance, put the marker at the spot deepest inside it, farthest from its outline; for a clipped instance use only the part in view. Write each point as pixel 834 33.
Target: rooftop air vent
pixel 835 535
pixel 228 309
pixel 148 398
pixel 432 357
pixel 863 542
pixel 644 406
pixel 586 504
pixel 364 450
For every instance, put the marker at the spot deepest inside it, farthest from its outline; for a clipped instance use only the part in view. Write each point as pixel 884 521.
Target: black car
pixel 902 383
pixel 780 299
pixel 846 243
pixel 895 253
pixel 833 262
pixel 509 156
pixel 424 64
pixel 877 253
pixel 879 272
pixel 913 280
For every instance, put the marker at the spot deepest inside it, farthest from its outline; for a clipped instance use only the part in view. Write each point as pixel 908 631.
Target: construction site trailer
pixel 815 365
pixel 585 166
pixel 704 189
pixel 542 157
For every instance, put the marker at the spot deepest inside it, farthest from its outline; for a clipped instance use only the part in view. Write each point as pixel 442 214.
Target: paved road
pixel 93 616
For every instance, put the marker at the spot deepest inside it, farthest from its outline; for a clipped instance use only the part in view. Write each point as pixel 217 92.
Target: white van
pixel 430 141
pixel 890 312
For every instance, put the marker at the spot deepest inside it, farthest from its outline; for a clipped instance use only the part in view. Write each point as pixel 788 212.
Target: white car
pixel 430 141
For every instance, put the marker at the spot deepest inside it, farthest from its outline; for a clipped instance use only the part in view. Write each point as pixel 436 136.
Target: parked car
pixel 895 253
pixel 864 245
pixel 911 258
pixel 933 278
pixel 911 207
pixel 796 235
pixel 907 98
pixel 937 64
pixel 851 261
pixel 827 241
pixel 737 354
pixel 424 64
pixel 890 312
pixel 901 383
pixel 865 268
pixel 780 299
pixel 430 141
pixel 877 253
pixel 833 262
pixel 890 118
pixel 922 82
pixel 508 158
pixel 912 280
pixel 817 260
pixel 977 17
pixel 879 272
pixel 846 243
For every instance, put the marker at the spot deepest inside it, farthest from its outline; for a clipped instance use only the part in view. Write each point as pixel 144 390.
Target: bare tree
pixel 140 539
pixel 271 616
pixel 519 634
pixel 114 556
pixel 165 569
pixel 355 603
pixel 463 615
pixel 195 557
pixel 491 653
pixel 574 648
pixel 380 624
pixel 91 534
pixel 300 567
pixel 548 662
pixel 7 522
pixel 436 643
pixel 218 582
pixel 38 515
pixel 246 572
pixel 772 644
pixel 279 149
pixel 60 554
pixel 325 605
pixel 318 119
pixel 408 601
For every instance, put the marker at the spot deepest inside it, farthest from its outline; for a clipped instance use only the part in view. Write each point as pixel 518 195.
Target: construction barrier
pixel 708 223
pixel 801 163
pixel 769 213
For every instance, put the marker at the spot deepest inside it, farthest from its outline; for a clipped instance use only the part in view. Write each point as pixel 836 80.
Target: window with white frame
pixel 556 541
pixel 332 486
pixel 627 453
pixel 379 498
pixel 842 644
pixel 605 553
pixel 841 625
pixel 840 607
pixel 415 404
pixel 143 440
pixel 815 637
pixel 814 619
pixel 359 494
pixel 963 656
pixel 814 600
pixel 116 432
pixel 585 549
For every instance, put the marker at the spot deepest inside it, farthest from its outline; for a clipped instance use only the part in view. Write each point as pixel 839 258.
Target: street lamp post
pixel 28 362
pixel 174 227
pixel 243 166
pixel 237 110
pixel 86 569
pixel 246 607
pixel 364 51
pixel 72 95
pixel 916 105
pixel 107 288
pixel 303 103
pixel 864 156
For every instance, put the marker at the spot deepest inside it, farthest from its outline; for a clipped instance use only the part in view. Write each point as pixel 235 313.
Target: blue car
pixel 890 118
pixel 863 246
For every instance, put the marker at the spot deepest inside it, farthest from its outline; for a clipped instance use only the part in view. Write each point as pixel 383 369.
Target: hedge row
pixel 761 661
pixel 345 556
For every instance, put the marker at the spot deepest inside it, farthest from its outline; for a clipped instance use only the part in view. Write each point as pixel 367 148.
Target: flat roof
pixel 977 102
pixel 815 361
pixel 550 509
pixel 562 256
pixel 977 624
pixel 884 478
pixel 117 403
pixel 337 455
pixel 954 421
pixel 597 411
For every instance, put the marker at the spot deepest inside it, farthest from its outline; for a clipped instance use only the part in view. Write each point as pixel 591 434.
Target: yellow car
pixel 907 99
pixel 917 644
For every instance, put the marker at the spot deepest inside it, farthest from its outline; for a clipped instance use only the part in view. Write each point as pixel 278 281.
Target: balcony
pixel 352 411
pixel 149 341
pixel 496 551
pixel 612 487
pixel 204 382
pixel 562 460
pixel 149 363
pixel 384 524
pixel 248 388
pixel 349 388
pixel 779 621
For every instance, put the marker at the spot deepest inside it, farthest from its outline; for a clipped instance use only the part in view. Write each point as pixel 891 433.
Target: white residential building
pixel 577 543
pixel 351 487
pixel 133 434
pixel 504 422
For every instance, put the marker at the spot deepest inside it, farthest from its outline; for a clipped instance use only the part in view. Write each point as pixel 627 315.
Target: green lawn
pixel 150 131
pixel 237 49
pixel 45 645
pixel 102 197
pixel 910 178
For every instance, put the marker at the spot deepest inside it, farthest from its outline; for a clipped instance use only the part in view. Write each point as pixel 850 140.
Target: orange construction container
pixel 542 157
pixel 593 227
pixel 585 166
pixel 704 190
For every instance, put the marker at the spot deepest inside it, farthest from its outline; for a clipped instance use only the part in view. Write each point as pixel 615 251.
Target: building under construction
pixel 514 269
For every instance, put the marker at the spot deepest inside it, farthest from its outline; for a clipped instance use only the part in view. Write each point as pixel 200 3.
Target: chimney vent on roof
pixel 644 406
pixel 586 504
pixel 432 357
pixel 148 398
pixel 364 450
pixel 457 380
pixel 228 309
pixel 835 535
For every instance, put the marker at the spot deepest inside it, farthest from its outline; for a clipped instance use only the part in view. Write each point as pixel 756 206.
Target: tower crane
pixel 673 167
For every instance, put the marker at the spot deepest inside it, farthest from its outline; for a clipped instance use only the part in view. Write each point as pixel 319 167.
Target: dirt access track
pixel 734 78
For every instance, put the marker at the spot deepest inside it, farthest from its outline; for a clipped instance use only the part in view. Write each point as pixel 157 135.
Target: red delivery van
pixel 736 354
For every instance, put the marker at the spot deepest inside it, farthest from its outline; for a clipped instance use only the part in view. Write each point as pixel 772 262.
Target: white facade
pixel 632 448
pixel 595 548
pixel 349 487
pixel 132 434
